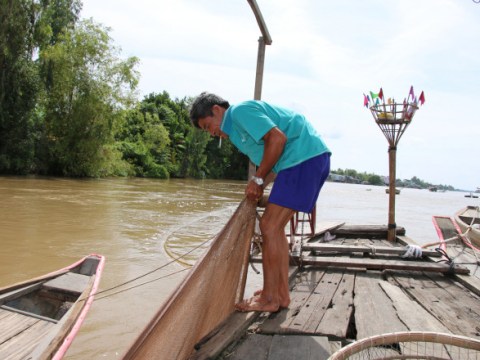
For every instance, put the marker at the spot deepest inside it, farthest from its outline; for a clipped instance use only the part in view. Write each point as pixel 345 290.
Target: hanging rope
pixel 146 274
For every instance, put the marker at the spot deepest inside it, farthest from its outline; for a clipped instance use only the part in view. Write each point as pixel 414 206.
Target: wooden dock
pixel 353 287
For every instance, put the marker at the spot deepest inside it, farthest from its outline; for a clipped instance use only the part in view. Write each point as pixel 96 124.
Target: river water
pixel 142 224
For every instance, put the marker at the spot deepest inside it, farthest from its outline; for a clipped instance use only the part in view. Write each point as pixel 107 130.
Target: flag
pixel 380 94
pixel 373 95
pixel 411 93
pixel 365 100
pixel 422 98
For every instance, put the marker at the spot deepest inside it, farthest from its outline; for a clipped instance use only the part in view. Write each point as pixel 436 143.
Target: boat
pixel 40 317
pixel 397 191
pixel 471 195
pixel 348 283
pixel 468 218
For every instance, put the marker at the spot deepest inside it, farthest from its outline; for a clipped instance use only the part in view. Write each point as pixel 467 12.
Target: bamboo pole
pixel 392 164
pixel 264 40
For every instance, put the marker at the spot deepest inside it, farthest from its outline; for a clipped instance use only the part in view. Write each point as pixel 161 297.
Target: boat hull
pixel 40 317
pixel 464 218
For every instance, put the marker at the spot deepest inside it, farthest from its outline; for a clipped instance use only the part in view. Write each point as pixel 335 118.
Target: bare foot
pixel 283 302
pixel 257 303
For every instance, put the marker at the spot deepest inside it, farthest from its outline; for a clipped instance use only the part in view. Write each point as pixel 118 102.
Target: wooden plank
pixel 379 264
pixel 7 296
pixel 318 247
pixel 299 348
pixel 23 343
pixel 28 314
pixel 279 323
pixel 310 315
pixel 369 231
pixel 255 347
pixel 69 282
pixel 227 332
pixel 374 311
pixel 338 315
pixel 13 324
pixel 411 313
pixel 455 307
pixel 472 283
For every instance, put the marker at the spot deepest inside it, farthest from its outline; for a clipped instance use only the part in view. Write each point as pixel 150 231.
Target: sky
pixel 324 56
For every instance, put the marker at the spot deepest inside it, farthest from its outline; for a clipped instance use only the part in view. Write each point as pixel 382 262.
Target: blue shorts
pixel 298 187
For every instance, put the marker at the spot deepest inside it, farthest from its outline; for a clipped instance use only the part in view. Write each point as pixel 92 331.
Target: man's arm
pixel 274 141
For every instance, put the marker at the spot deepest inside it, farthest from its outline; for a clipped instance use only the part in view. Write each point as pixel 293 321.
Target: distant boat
pixel 471 195
pixel 40 317
pixel 397 191
pixel 433 188
pixel 470 216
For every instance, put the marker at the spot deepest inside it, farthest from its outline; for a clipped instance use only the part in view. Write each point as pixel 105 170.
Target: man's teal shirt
pixel 246 123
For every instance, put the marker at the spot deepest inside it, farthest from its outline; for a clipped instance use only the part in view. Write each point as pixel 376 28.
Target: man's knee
pixel 266 226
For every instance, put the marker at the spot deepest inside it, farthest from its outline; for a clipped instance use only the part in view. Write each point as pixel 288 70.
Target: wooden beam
pixel 378 264
pixel 261 22
pixel 364 249
pixel 371 264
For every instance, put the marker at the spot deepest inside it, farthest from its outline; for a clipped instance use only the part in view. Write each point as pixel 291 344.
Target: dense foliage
pixel 68 108
pixel 352 176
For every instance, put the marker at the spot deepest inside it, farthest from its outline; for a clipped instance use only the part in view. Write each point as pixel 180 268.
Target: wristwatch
pixel 257 180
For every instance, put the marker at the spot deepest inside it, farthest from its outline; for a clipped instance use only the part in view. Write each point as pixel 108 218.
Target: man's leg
pixel 275 258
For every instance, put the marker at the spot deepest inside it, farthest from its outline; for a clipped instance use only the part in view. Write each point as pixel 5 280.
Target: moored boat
pixel 397 191
pixel 40 317
pixel 468 218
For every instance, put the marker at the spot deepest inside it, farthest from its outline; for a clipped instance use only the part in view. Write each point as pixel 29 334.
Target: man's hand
pixel 254 191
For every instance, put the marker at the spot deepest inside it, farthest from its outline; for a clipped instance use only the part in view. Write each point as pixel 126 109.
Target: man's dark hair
pixel 202 106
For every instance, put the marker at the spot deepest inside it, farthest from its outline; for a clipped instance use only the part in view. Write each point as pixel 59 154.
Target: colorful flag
pixel 365 100
pixel 422 98
pixel 373 95
pixel 380 94
pixel 411 93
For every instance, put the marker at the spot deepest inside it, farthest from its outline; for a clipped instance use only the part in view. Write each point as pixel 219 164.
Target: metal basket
pixel 393 113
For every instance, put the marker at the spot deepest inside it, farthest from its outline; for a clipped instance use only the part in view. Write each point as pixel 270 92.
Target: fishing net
pixel 205 297
pixel 411 345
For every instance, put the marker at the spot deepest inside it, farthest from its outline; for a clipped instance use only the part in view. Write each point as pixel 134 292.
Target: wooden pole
pixel 392 164
pixel 260 66
pixel 264 40
pixel 258 88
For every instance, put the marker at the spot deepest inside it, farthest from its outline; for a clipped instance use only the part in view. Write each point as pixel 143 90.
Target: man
pixel 279 142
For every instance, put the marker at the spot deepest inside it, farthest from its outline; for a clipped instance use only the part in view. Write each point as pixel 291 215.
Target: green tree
pixel 19 84
pixel 143 141
pixel 194 162
pixel 374 179
pixel 88 89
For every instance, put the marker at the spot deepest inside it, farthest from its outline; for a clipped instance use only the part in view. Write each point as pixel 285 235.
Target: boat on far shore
pixel 40 317
pixel 397 191
pixel 469 218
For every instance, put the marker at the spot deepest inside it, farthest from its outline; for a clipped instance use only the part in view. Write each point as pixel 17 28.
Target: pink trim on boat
pixel 442 246
pixel 440 235
pixel 76 327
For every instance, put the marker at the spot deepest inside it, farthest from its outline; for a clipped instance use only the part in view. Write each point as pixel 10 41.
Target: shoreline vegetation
pixel 354 177
pixel 69 108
